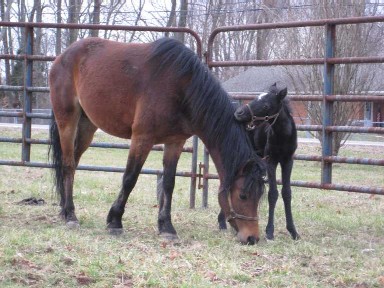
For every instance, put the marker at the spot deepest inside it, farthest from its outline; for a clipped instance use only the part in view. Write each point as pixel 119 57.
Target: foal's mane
pixel 286 105
pixel 206 104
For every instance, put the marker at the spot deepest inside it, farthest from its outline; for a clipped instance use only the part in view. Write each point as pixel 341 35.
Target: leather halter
pixel 233 215
pixel 251 124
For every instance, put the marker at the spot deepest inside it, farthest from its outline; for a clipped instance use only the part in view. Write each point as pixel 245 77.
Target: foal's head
pixel 241 203
pixel 265 107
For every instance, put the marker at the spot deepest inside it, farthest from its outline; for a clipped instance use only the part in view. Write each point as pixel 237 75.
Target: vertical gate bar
pixel 205 179
pixel 192 190
pixel 329 69
pixel 27 121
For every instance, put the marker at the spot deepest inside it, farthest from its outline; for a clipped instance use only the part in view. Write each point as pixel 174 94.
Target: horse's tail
pixel 55 155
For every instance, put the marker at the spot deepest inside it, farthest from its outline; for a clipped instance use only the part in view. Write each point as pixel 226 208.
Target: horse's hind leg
pixel 138 153
pixel 76 133
pixel 84 136
pixel 67 125
pixel 286 169
pixel 171 157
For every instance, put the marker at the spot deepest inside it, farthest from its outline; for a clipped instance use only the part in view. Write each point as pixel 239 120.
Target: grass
pixel 341 233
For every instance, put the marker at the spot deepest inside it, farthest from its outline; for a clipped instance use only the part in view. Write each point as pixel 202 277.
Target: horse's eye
pixel 265 107
pixel 243 196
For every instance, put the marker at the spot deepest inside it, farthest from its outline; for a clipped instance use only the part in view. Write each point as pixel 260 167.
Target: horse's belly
pixel 110 121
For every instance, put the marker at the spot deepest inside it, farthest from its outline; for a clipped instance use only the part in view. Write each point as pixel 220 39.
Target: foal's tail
pixel 55 155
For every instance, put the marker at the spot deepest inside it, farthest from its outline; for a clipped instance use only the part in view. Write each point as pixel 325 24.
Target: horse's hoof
pixel 115 231
pixel 73 225
pixel 169 236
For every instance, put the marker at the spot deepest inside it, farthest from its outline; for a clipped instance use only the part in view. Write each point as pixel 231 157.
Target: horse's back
pixel 102 77
pixel 114 84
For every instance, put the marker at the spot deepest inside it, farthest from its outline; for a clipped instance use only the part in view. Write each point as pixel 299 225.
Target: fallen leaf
pixel 173 255
pixel 381 280
pixel 82 279
pixel 68 261
pixel 211 276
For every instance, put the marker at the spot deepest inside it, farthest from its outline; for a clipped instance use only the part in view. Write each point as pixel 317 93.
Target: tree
pixel 351 40
pixel 96 17
pixel 182 19
pixel 73 17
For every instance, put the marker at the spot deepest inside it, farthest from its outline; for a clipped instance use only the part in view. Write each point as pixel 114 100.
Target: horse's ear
pixel 248 166
pixel 252 164
pixel 282 93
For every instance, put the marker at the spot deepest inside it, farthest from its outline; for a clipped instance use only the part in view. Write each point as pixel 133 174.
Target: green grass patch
pixel 341 233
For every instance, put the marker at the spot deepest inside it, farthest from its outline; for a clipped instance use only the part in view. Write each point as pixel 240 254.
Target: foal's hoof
pixel 169 236
pixel 270 237
pixel 296 236
pixel 73 225
pixel 115 231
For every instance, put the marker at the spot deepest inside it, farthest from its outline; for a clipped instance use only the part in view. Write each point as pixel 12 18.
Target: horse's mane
pixel 206 104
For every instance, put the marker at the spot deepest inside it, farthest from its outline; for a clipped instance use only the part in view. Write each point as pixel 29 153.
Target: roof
pixel 259 79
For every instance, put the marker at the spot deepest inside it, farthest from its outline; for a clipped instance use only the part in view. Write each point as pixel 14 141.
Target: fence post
pixel 27 95
pixel 329 69
pixel 192 190
pixel 205 178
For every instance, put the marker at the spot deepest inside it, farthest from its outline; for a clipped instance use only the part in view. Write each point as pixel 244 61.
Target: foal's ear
pixel 282 93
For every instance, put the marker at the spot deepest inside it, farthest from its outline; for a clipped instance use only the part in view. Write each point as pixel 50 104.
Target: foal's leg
pixel 171 157
pixel 286 169
pixel 138 153
pixel 273 194
pixel 221 220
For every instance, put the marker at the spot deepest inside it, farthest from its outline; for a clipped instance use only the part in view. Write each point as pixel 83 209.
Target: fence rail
pixel 203 175
pixel 328 98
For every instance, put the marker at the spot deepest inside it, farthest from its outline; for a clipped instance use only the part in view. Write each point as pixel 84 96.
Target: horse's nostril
pixel 252 240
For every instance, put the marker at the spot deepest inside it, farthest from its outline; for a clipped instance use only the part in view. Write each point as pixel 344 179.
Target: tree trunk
pixel 73 11
pixel 58 31
pixel 172 17
pixel 182 19
pixel 96 17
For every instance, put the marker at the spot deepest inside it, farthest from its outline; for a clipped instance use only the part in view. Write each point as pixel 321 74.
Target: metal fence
pixel 200 177
pixel 328 98
pixel 27 114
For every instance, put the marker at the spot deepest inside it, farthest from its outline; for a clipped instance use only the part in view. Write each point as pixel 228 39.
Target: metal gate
pixel 328 98
pixel 203 175
pixel 28 89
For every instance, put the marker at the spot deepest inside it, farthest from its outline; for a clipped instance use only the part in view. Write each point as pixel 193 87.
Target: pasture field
pixel 341 245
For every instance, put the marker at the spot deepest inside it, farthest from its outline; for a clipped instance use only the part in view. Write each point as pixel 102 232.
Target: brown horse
pixel 151 93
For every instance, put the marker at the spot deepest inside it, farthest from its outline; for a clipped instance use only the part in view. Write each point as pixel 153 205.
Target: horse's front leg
pixel 273 195
pixel 138 153
pixel 286 169
pixel 171 157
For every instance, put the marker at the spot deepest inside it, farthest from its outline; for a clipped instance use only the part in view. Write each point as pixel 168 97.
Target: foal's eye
pixel 243 196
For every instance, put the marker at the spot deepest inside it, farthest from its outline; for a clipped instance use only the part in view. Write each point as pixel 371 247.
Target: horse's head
pixel 240 204
pixel 265 107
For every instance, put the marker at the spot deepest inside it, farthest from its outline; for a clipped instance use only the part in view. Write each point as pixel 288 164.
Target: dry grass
pixel 342 241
